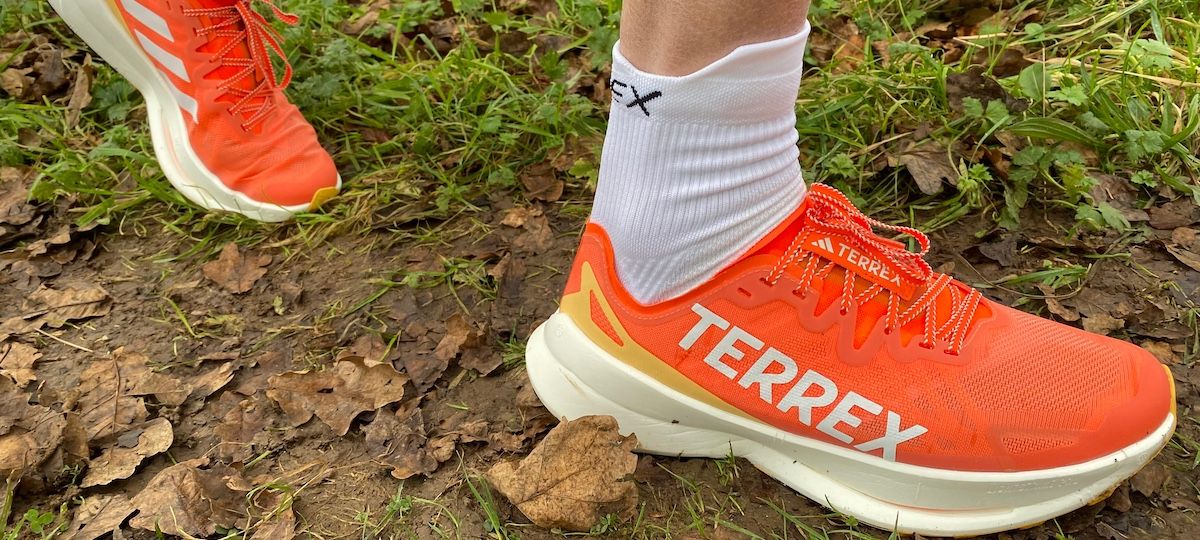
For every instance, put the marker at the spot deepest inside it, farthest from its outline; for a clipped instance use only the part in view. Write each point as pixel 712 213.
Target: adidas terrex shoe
pixel 839 363
pixel 224 133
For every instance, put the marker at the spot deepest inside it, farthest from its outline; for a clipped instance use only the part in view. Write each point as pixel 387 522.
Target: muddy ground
pixel 96 301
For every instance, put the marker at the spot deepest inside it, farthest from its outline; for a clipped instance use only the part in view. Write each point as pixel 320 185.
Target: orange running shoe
pixel 224 133
pixel 838 362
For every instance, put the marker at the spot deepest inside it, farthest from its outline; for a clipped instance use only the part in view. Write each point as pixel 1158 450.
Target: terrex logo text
pixel 857 259
pixel 780 383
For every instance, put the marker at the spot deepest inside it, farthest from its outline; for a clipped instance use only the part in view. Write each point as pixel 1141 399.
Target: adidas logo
pixel 864 264
pixel 824 243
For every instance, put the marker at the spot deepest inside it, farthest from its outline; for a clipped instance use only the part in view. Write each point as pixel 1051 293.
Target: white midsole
pixel 575 377
pixel 98 25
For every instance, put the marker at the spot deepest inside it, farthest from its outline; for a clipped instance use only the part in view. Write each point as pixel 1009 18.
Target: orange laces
pixel 830 211
pixel 244 26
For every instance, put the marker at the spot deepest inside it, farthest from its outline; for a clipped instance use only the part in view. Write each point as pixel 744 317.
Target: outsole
pixel 668 423
pixel 99 26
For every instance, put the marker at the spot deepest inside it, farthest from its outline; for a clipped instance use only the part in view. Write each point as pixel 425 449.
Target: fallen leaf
pixel 16 363
pixel 235 272
pixel 930 166
pixel 1102 323
pixel 336 395
pixel 1188 258
pixel 1119 500
pixel 118 463
pixel 580 473
pixel 1151 479
pixel 400 443
pixel 207 383
pixel 55 308
pixel 105 405
pixel 536 236
pixel 184 499
pixel 541 183
pixel 241 428
pixel 274 524
pixel 516 217
pixel 97 516
pixel 974 83
pixel 1178 213
pixel 29 434
pixel 369 348
pixel 459 333
pixel 81 92
pixel 1162 351
pixel 15 207
pixel 839 39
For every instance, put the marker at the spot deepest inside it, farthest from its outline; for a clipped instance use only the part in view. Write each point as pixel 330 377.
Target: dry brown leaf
pixel 275 526
pixel 930 166
pixel 16 363
pixel 400 443
pixel 1188 258
pixel 98 516
pixel 336 395
pixel 1151 479
pixel 81 92
pixel 578 474
pixel 54 308
pixel 235 272
pixel 139 380
pixel 1174 214
pixel 458 334
pixel 536 237
pixel 241 428
pixel 29 434
pixel 184 499
pixel 15 208
pixel 1102 323
pixel 516 217
pixel 120 461
pixel 207 383
pixel 368 347
pixel 541 184
pixel 1162 351
pixel 105 404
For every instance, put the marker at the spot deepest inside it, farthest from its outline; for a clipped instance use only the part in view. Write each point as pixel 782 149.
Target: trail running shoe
pixel 224 133
pixel 838 362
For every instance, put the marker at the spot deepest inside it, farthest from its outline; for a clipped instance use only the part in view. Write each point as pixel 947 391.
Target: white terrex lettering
pixel 809 391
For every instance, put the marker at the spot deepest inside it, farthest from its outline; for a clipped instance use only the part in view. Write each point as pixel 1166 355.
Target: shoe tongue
pixel 240 50
pixel 869 261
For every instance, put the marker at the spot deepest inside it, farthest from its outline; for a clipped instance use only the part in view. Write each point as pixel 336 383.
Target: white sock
pixel 696 169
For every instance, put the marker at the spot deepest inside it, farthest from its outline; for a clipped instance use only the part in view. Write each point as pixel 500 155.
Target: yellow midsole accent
pixel 577 306
pixel 322 195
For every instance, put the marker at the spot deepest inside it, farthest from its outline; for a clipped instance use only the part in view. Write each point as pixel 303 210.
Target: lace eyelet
pixel 765 282
pixel 925 345
pixel 798 294
pixel 950 352
pixel 844 311
pixel 887 330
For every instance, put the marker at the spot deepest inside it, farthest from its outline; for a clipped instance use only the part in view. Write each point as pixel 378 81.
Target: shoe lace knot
pixel 249 41
pixel 835 234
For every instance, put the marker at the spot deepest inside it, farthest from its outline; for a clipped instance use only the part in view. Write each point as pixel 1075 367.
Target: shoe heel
pixel 566 395
pixel 101 27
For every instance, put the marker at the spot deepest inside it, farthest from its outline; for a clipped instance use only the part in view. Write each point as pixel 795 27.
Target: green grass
pixel 439 120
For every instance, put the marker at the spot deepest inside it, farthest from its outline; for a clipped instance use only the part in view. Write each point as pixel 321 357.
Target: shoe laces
pixel 245 27
pixel 832 214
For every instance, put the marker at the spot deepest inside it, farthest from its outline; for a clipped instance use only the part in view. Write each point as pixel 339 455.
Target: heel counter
pixel 584 299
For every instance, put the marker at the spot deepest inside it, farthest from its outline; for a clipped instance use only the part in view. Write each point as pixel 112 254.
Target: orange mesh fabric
pixel 602 321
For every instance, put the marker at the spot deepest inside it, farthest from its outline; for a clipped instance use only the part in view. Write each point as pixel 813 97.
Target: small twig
pixel 63 341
